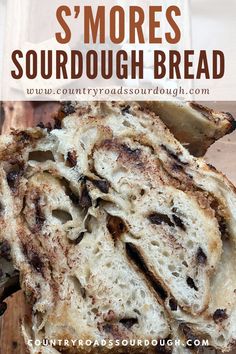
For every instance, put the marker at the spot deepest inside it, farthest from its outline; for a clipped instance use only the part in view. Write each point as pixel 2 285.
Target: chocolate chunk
pixel 221 220
pixel 39 216
pixel 14 344
pixel 177 167
pixel 33 258
pixel 74 198
pixel 174 155
pixel 83 292
pixel 3 307
pixel 5 250
pixel 68 108
pixel 115 226
pixel 134 153
pixel 223 228
pixel 83 178
pixel 220 315
pixel 191 283
pixel 128 322
pixel 107 328
pixel 47 126
pixel 57 124
pixel 142 192
pixel 1 208
pixel 189 335
pixel 163 349
pixel 178 222
pixel 158 219
pixel 36 262
pixel 201 257
pixel 23 136
pixel 41 125
pixel 173 304
pixel 125 110
pixel 109 316
pixel 85 199
pixel 13 178
pixel 102 185
pixel 72 158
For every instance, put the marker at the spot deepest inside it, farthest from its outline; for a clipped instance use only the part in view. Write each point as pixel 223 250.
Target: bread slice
pixel 194 125
pixel 118 232
pixel 197 127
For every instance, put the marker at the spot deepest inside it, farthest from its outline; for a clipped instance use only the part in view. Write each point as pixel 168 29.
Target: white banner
pixel 136 50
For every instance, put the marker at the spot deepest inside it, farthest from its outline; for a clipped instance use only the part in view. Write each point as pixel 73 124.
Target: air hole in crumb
pixel 171 267
pixel 78 286
pixel 221 339
pixel 41 156
pixel 134 254
pixel 175 274
pixel 126 124
pixel 79 238
pixel 61 215
pixel 143 295
pixel 89 222
pixel 133 197
pixel 181 256
pixel 119 172
pixel 165 254
pixel 96 251
pixel 155 243
pixel 95 311
pixel 190 243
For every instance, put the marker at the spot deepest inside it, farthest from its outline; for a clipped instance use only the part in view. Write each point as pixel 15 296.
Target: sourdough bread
pixel 118 232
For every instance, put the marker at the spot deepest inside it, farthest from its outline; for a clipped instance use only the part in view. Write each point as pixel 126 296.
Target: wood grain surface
pixel 222 155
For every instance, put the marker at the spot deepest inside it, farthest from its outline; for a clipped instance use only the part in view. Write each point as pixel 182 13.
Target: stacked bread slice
pixel 194 125
pixel 118 232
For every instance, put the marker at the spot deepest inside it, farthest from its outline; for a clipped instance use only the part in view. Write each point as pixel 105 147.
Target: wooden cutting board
pixel 221 155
